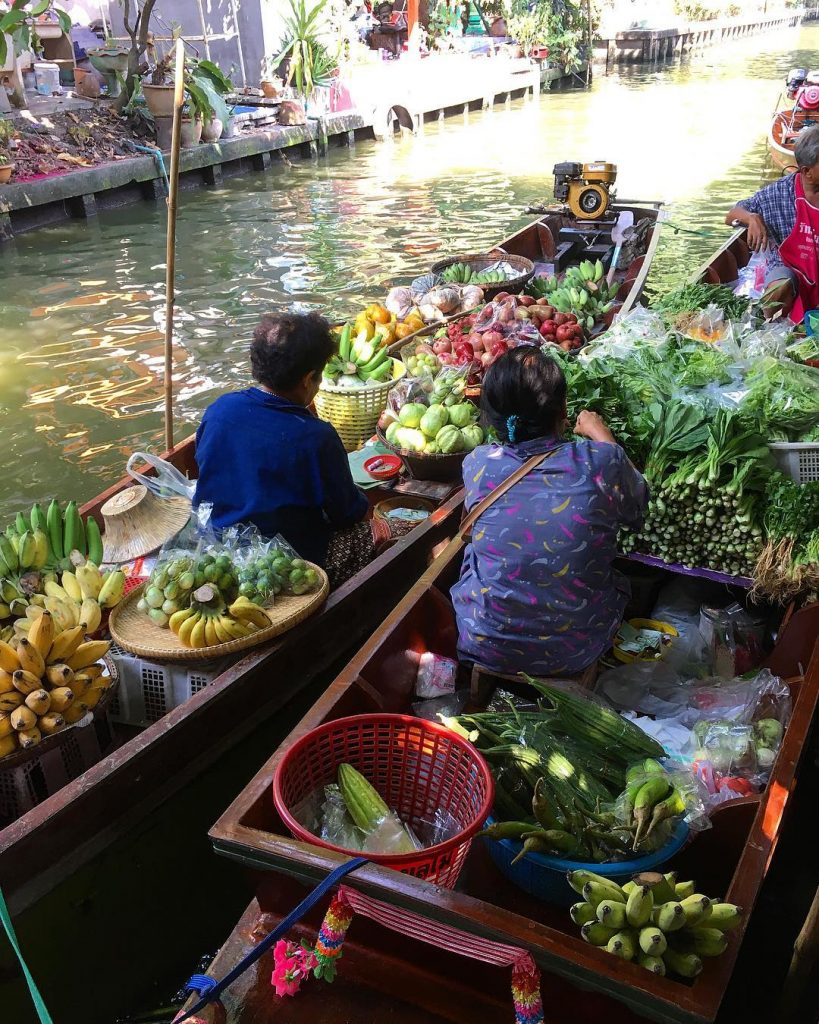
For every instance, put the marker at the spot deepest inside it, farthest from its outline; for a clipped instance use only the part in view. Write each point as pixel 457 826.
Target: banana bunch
pixel 81 596
pixel 49 678
pixel 660 923
pixel 209 622
pixel 46 540
pixel 362 358
pixel 581 291
pixel 462 273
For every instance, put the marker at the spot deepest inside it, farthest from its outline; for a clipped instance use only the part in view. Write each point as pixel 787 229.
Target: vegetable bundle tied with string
pixel 789 563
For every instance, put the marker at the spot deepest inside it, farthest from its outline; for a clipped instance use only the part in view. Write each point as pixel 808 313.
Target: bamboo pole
pixel 170 249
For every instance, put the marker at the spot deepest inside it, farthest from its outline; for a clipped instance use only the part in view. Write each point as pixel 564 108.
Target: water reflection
pixel 81 351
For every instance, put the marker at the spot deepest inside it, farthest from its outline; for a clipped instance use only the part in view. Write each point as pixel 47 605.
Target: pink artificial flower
pixel 291 965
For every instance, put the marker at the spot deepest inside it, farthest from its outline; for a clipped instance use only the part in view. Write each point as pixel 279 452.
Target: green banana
pixel 652 941
pixel 597 934
pixel 344 342
pixel 94 538
pixel 71 529
pixel 687 965
pixel 28 550
pixel 582 913
pixel 669 917
pixel 654 964
pixel 21 525
pixel 723 916
pixel 37 517
pixel 705 941
pixel 623 945
pixel 639 905
pixel 380 356
pixel 82 545
pixel 580 878
pixel 9 555
pixel 684 889
pixel 54 522
pixel 696 908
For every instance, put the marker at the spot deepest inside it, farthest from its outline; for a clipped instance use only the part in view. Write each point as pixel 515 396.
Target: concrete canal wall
pixel 650 45
pixel 401 97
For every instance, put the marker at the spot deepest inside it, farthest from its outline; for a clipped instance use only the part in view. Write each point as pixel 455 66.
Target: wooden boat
pixel 580 983
pixel 785 126
pixel 66 830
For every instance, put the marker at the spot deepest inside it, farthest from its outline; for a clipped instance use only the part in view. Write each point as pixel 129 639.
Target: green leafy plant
pixel 17 23
pixel 310 62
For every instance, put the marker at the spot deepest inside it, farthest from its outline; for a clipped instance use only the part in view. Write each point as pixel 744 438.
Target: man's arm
pixel 748 214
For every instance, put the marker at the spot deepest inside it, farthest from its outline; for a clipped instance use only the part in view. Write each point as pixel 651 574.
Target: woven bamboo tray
pixel 135 632
pixel 480 261
pixel 354 412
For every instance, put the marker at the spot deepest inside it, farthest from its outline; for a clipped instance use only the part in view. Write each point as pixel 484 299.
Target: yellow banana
pixel 112 589
pixel 90 580
pixel 9 662
pixel 36 601
pixel 29 737
pixel 65 644
pixel 91 698
pixel 23 718
pixel 91 614
pixel 78 686
pixel 39 702
pixel 41 549
pixel 61 612
pixel 6 681
pixel 74 713
pixel 197 637
pixel 25 682
pixel 247 611
pixel 176 620
pixel 30 658
pixel 11 700
pixel 21 628
pixel 211 636
pixel 6 728
pixel 53 589
pixel 61 698
pixel 186 629
pixel 58 675
pixel 71 586
pixel 51 723
pixel 88 653
pixel 8 744
pixel 92 671
pixel 222 633
pixel 237 630
pixel 41 634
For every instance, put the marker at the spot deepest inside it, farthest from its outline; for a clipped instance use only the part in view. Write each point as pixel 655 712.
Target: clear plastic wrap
pixel 437 675
pixel 400 301
pixel 653 811
pixel 708 325
pixel 678 604
pixel 769 340
pixel 436 708
pixel 420 359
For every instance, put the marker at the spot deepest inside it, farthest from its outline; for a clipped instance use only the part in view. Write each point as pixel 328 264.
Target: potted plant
pixel 6 135
pixel 6 168
pixel 310 62
pixel 215 85
pixel 159 91
pixel 111 60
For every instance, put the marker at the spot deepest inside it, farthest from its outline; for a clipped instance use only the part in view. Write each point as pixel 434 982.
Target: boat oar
pixel 624 221
pixel 170 247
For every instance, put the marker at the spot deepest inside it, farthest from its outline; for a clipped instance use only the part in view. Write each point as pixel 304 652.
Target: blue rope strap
pixel 36 998
pixel 209 989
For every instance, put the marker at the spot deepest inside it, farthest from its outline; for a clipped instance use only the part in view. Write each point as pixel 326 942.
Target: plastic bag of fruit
pixel 420 359
pixel 271 566
pixel 180 571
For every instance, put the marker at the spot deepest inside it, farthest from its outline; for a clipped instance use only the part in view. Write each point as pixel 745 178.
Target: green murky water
pixel 81 307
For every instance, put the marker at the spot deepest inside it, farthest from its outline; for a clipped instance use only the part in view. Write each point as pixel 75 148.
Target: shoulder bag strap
pixel 470 519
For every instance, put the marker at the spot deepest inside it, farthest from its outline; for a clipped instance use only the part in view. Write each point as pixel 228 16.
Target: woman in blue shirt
pixel 538 590
pixel 264 458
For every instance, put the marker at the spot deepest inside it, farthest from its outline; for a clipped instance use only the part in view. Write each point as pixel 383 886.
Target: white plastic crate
pixel 150 689
pixel 45 772
pixel 798 460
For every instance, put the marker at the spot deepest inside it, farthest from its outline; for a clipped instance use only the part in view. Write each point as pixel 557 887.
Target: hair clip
pixel 511 427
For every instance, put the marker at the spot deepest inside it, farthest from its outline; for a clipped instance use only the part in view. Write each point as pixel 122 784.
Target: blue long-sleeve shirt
pixel 266 461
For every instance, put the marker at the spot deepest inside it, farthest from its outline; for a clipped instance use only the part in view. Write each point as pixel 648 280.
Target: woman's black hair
pixel 288 346
pixel 523 395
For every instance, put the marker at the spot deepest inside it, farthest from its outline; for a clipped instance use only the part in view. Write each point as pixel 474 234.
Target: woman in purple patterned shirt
pixel 538 592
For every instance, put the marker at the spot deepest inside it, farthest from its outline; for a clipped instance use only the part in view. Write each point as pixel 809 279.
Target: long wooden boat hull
pixel 47 844
pixel 731 859
pixel 785 126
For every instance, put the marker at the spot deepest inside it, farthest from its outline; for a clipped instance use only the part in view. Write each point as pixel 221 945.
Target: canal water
pixel 81 305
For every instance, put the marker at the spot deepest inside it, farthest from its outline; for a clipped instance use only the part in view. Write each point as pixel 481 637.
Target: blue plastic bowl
pixel 545 877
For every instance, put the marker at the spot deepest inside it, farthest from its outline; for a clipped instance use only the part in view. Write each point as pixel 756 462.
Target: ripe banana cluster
pixel 200 626
pixel 79 599
pixel 581 291
pixel 660 923
pixel 49 678
pixel 361 357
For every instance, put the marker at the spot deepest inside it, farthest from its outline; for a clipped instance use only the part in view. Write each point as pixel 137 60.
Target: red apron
pixel 800 252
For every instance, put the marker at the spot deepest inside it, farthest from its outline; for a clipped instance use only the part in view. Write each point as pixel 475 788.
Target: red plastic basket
pixel 416 766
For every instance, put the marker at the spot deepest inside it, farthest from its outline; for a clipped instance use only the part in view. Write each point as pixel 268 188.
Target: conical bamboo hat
pixel 137 522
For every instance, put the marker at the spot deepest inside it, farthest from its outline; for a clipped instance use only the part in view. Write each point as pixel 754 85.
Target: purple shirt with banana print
pixel 538 592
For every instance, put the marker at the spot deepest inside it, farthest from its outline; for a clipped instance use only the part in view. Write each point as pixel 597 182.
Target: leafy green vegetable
pixel 690 298
pixel 789 564
pixel 782 395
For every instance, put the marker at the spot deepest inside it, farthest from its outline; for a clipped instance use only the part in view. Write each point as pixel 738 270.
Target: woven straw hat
pixel 137 522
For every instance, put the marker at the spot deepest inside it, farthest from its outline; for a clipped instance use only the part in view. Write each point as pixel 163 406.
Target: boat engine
pixel 587 189
pixel 795 80
pixel 807 98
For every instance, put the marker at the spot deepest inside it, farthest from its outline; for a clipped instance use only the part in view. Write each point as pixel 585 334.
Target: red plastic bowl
pixel 383 467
